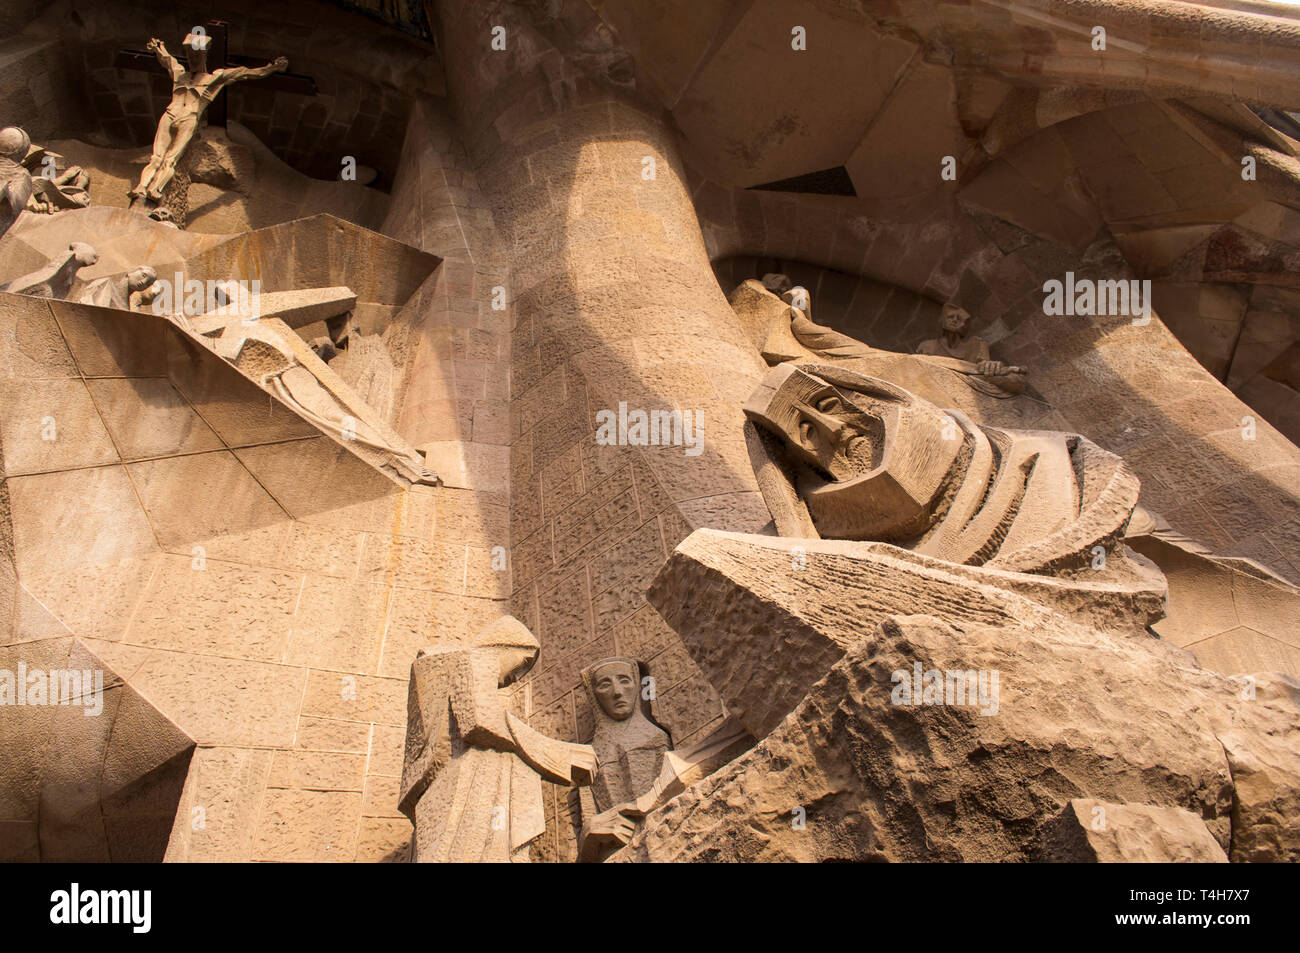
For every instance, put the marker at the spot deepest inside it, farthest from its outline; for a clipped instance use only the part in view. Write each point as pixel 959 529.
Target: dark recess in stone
pixel 1287 123
pixel 834 181
pixel 408 16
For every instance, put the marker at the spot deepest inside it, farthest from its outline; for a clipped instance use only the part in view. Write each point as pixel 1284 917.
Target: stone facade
pixel 564 205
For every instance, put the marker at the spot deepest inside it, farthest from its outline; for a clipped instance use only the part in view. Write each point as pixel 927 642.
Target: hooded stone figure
pixel 840 455
pixel 472 772
pixel 630 750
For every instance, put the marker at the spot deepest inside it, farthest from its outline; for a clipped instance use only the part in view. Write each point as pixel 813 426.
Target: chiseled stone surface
pixel 545 235
pixel 1080 713
pixel 1091 831
pixel 96 776
pixel 765 617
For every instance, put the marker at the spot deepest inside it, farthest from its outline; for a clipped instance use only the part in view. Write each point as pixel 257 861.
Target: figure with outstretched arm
pixel 193 90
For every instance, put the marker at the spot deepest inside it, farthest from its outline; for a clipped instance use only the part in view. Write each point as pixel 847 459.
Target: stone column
pixel 612 301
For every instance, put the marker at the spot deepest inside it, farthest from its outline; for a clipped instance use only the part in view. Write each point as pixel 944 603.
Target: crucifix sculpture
pixel 193 90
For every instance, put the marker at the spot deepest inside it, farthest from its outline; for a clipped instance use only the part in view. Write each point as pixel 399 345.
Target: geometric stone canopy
pixel 98 778
pixel 315 252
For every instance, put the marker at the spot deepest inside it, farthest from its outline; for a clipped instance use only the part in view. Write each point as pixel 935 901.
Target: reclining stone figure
pixel 789 334
pixel 845 456
pixel 130 291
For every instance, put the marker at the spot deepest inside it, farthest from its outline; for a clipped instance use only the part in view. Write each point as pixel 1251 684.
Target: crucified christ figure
pixel 193 89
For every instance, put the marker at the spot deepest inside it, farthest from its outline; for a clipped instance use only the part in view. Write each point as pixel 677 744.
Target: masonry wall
pixel 611 299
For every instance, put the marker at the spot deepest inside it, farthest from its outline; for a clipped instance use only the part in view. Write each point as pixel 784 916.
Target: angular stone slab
pixel 1095 832
pixel 765 617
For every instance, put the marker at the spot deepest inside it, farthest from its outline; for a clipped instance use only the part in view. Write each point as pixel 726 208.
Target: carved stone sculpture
pixel 259 342
pixel 15 180
pixel 845 456
pixel 779 315
pixel 59 191
pixel 131 291
pixel 681 769
pixel 955 343
pixel 67 190
pixel 629 746
pixel 55 278
pixel 193 90
pixel 630 751
pixel 472 773
pixel 20 161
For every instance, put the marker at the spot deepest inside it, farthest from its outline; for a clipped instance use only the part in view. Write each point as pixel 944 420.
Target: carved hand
pixel 281 64
pixel 616 824
pixel 583 762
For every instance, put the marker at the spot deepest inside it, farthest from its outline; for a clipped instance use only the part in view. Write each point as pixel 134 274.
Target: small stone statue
pixel 15 180
pixel 55 278
pixel 54 191
pixel 130 292
pixel 956 343
pixel 630 750
pixel 472 773
pixel 193 90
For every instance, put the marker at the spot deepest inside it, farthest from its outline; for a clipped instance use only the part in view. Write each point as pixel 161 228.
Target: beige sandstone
pixel 812 244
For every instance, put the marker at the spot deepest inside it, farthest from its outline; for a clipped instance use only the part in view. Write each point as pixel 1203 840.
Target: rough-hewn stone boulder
pixel 1090 831
pixel 858 771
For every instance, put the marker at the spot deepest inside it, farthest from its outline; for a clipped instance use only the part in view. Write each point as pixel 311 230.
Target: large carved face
pixel 616 686
pixel 869 459
pixel 819 423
